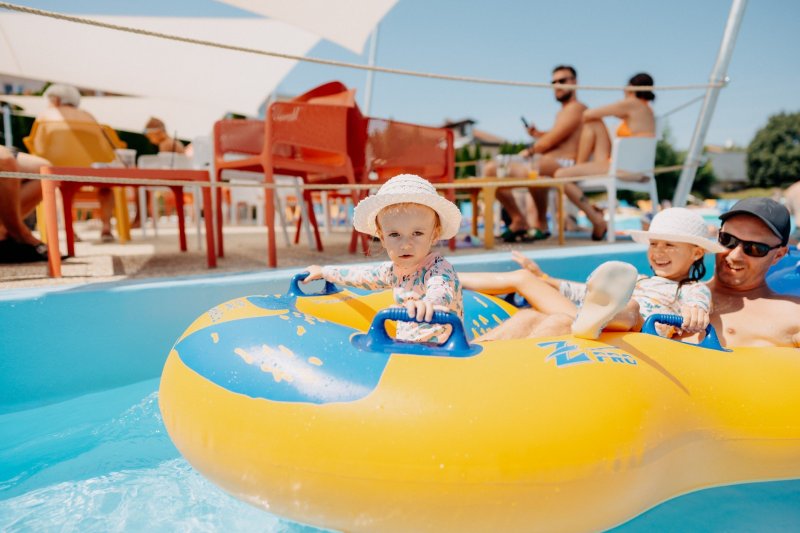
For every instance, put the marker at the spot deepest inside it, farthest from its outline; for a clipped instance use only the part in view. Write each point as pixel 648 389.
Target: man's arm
pixel 567 122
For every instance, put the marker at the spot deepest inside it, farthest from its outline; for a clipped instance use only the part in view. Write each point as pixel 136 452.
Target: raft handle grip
pixel 295 290
pixel 710 341
pixel 378 340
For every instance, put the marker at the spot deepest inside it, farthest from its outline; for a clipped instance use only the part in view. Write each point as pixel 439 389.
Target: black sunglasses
pixel 753 249
pixel 562 80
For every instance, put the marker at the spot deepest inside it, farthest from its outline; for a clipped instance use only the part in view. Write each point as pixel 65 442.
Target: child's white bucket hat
pixel 407 188
pixel 678 224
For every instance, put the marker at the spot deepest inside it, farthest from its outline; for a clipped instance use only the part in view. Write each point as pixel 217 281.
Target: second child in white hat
pixel 677 241
pixel 614 295
pixel 409 217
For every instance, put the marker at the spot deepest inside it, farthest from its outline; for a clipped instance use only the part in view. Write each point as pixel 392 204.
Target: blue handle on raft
pixel 296 291
pixel 377 340
pixel 711 341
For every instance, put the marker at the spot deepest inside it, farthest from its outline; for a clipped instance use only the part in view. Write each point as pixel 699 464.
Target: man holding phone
pixel 557 148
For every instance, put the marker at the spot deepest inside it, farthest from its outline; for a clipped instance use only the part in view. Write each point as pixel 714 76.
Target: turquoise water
pixel 83 447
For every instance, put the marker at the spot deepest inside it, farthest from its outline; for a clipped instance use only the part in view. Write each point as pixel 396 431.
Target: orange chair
pixel 394 148
pixel 74 143
pixel 301 139
pixel 243 140
pixel 336 93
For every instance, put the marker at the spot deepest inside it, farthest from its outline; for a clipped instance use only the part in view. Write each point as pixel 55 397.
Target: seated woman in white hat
pixel 409 217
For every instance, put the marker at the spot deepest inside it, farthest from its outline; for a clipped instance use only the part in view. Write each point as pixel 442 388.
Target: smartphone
pixel 524 122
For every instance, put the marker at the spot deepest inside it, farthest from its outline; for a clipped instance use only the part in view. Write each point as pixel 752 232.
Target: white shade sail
pixel 125 63
pixel 185 120
pixel 347 23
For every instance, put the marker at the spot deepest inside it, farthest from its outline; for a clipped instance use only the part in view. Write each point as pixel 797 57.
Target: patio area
pixel 245 251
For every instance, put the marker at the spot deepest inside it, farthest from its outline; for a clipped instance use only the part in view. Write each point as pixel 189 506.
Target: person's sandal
pixel 12 252
pixel 538 235
pixel 514 236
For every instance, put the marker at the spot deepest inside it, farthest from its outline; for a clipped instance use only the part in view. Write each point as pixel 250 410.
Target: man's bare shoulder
pixel 760 299
pixel 575 106
pixel 782 301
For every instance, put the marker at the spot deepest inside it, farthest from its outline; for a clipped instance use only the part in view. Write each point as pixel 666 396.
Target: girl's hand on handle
pixel 422 310
pixel 526 263
pixel 695 319
pixel 314 272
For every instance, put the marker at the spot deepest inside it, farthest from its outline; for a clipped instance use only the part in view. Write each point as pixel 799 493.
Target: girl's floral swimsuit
pixel 654 295
pixel 434 280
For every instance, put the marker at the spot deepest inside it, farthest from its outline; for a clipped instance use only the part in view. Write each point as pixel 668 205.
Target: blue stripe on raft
pixel 291 357
pixel 784 277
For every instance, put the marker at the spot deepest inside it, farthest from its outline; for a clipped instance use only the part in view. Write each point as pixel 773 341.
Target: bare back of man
pixel 557 147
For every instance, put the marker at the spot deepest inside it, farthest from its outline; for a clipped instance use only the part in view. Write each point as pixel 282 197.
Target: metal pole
pixel 718 74
pixel 373 48
pixel 8 135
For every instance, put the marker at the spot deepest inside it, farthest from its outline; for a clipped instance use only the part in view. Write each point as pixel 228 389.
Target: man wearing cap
pixel 746 312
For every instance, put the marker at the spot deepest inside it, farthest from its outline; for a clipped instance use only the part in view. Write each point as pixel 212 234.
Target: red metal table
pixel 68 189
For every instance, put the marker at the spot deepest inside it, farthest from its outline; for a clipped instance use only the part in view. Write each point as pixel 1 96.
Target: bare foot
pixel 599 231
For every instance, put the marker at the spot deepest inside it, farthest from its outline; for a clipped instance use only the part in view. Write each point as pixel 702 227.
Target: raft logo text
pixel 565 354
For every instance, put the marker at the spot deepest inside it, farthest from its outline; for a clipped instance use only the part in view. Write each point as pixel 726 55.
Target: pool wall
pixel 65 341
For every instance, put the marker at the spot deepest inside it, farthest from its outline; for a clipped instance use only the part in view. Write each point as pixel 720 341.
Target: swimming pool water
pixel 103 462
pixel 83 447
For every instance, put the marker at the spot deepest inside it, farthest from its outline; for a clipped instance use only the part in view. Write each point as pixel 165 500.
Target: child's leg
pixel 521 325
pixel 539 294
pixel 629 319
pixel 552 326
pixel 608 291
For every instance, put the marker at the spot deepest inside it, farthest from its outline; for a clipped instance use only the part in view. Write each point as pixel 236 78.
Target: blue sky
pixel 606 40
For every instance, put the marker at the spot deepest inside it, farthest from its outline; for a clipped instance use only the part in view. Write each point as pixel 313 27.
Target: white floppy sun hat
pixel 407 188
pixel 678 224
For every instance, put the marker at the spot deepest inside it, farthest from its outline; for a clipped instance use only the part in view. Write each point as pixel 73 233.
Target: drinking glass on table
pixel 126 156
pixel 533 166
pixel 502 162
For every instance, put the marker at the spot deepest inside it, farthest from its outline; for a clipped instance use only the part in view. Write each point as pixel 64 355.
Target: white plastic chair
pixel 173 161
pixel 630 169
pixel 253 199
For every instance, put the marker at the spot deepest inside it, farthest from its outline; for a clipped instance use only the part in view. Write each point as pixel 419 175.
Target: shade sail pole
pixel 373 48
pixel 7 133
pixel 718 75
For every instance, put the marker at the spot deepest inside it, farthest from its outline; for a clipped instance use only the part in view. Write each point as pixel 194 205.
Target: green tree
pixel 462 154
pixel 508 148
pixel 773 157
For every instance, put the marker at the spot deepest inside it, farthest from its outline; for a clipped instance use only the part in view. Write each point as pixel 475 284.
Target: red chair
pixel 301 139
pixel 394 148
pixel 243 138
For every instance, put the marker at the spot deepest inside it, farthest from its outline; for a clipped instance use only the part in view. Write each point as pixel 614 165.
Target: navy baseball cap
pixel 771 213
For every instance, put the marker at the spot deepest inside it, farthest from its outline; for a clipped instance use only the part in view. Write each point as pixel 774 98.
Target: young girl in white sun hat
pixel 409 217
pixel 615 295
pixel 678 238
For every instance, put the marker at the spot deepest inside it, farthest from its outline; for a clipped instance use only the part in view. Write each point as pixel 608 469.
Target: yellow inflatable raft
pixel 281 402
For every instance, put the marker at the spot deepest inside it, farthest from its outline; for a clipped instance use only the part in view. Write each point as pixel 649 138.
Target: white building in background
pixel 730 167
pixel 466 134
pixel 16 85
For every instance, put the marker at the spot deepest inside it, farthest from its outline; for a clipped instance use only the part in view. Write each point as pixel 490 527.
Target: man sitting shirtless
pixel 745 311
